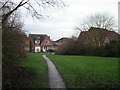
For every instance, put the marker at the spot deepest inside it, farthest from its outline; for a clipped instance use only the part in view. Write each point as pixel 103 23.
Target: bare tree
pixel 13 36
pixel 13 43
pixel 99 20
pixel 34 7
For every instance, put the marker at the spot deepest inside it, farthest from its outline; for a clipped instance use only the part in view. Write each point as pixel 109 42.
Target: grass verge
pixel 36 64
pixel 87 71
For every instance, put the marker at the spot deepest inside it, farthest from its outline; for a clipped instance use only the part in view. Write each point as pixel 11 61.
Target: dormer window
pixel 37 41
pixel 38 37
pixel 47 41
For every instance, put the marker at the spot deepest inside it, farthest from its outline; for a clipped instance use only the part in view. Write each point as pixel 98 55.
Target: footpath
pixel 55 80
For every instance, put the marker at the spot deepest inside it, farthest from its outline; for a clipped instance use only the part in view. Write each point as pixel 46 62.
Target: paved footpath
pixel 55 80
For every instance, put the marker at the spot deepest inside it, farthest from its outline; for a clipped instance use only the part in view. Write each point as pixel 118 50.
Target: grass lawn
pixel 37 64
pixel 87 71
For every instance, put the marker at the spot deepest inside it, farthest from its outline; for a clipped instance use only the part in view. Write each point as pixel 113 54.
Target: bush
pixel 111 49
pixel 68 48
pixel 51 50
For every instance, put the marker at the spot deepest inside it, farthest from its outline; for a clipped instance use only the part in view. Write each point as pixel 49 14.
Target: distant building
pixel 61 41
pixel 96 37
pixel 40 43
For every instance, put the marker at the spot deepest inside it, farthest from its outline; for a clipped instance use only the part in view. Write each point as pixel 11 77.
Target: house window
pixel 47 41
pixel 37 41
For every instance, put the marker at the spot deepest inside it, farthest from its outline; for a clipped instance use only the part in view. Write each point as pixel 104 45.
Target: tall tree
pixel 98 20
pixel 13 37
pixel 34 7
pixel 13 42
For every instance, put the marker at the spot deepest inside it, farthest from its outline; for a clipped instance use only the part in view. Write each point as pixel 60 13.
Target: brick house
pixel 41 43
pixel 96 37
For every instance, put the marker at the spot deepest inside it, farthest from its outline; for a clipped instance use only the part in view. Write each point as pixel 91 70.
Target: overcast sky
pixel 61 22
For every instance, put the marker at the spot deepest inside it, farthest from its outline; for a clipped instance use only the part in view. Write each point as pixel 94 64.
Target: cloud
pixel 61 22
pixel 53 31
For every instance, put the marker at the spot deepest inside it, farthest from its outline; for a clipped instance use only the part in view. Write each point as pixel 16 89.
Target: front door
pixel 37 49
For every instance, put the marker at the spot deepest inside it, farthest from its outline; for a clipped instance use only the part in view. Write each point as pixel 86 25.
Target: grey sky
pixel 61 22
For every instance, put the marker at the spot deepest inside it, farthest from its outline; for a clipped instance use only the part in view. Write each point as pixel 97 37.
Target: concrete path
pixel 55 80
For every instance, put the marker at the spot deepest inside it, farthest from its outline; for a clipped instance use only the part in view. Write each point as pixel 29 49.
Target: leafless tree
pixel 13 42
pixel 73 37
pixel 34 7
pixel 99 20
pixel 13 37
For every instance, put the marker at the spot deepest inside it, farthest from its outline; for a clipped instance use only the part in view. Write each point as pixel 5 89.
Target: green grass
pixel 87 71
pixel 37 64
